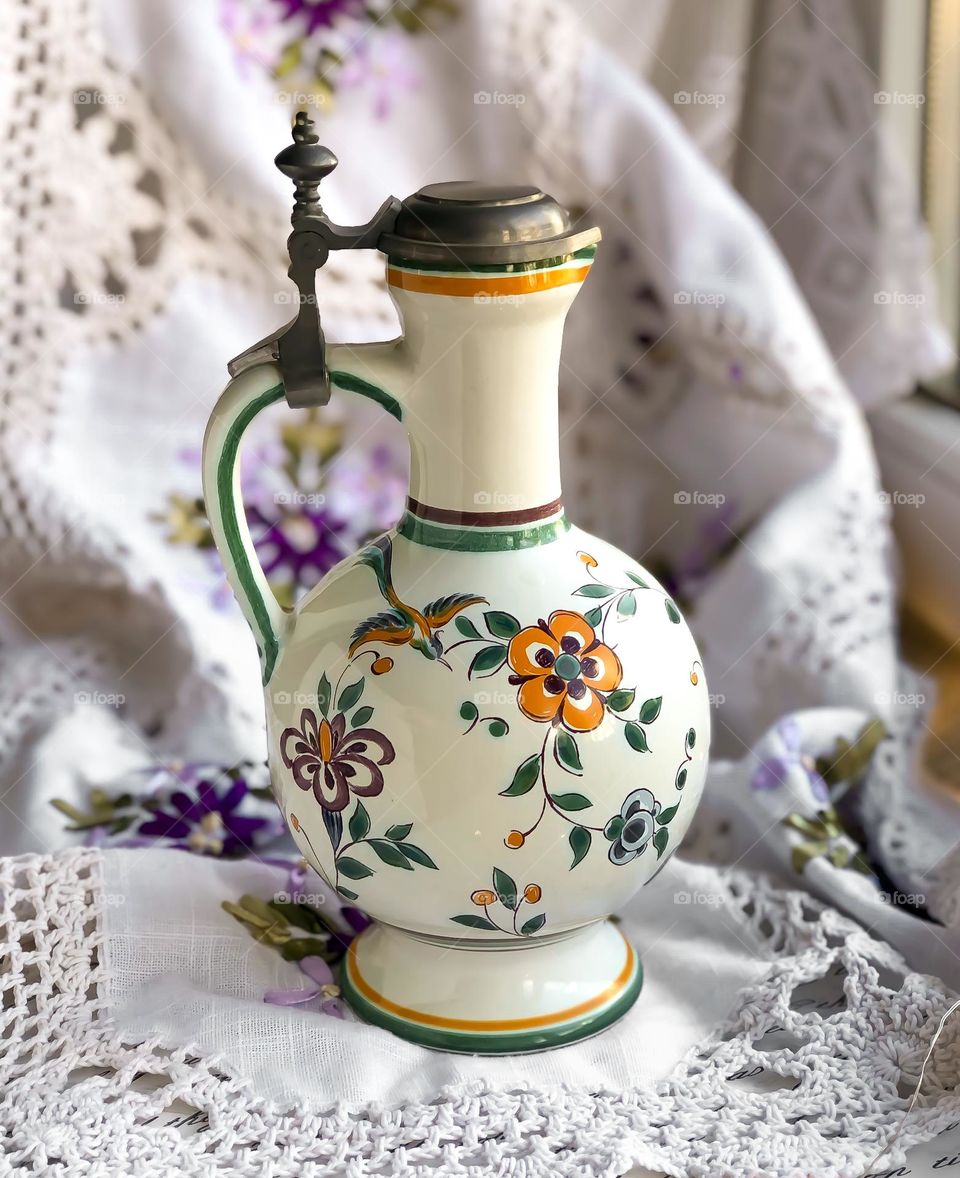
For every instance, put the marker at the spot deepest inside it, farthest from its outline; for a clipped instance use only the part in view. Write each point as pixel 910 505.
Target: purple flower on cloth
pixel 208 823
pixel 774 770
pixel 253 30
pixel 323 987
pixel 300 546
pixel 319 14
pixel 381 63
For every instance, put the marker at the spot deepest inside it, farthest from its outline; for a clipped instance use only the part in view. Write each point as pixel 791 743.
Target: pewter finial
pixel 305 162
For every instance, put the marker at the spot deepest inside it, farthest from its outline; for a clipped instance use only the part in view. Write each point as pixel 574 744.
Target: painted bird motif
pixel 402 624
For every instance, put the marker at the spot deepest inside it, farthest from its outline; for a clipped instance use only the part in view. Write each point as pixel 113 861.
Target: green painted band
pixel 475 539
pixel 268 642
pixel 588 253
pixel 356 384
pixel 495 1043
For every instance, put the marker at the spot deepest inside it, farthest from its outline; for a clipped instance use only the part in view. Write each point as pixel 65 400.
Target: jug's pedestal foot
pixel 492 998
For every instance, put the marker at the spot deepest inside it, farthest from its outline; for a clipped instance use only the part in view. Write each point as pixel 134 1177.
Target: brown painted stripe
pixel 491 1025
pixel 469 286
pixel 483 519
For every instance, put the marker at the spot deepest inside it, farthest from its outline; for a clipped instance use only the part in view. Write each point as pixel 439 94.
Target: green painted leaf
pixel 324 691
pixel 692 737
pixel 468 711
pixel 592 589
pixel 681 779
pixel 390 853
pixel 347 894
pixel 636 737
pixel 524 779
pixel 650 710
pixel 466 627
pixel 498 728
pixel 619 701
pixel 672 612
pixel 416 855
pixel 638 580
pixel 359 823
pixel 349 696
pixel 533 925
pixel 500 624
pixel 399 833
pixel 627 605
pixel 572 801
pixel 668 815
pixel 488 658
pixel 360 717
pixel 580 840
pixel 353 868
pixel 660 840
pixel 472 921
pixel 567 752
pixel 505 888
pixel 594 616
pixel 613 827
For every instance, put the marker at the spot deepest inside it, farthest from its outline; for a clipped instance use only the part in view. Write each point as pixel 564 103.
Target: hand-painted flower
pixel 631 829
pixel 561 668
pixel 332 762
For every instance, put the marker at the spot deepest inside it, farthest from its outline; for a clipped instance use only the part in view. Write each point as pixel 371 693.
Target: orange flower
pixel 561 669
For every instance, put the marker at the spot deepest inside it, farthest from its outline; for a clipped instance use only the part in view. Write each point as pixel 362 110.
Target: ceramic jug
pixel 488 729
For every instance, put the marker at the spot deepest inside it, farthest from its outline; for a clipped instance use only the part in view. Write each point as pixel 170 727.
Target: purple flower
pixel 774 770
pixel 319 14
pixel 324 988
pixel 209 823
pixel 380 62
pixel 303 545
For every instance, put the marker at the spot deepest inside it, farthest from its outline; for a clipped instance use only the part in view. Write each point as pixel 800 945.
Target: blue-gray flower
pixel 631 829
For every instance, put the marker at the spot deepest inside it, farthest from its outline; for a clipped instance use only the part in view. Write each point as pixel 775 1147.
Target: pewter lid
pixel 464 222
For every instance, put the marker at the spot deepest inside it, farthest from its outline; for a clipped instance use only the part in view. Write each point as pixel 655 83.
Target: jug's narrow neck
pixel 481 408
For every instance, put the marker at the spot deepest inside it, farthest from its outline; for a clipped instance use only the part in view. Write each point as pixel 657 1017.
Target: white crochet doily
pixel 789 1085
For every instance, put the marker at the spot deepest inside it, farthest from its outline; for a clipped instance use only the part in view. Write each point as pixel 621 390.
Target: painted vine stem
pixel 507 895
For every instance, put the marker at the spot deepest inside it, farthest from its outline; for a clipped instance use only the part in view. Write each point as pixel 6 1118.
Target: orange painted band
pixel 511 1024
pixel 528 282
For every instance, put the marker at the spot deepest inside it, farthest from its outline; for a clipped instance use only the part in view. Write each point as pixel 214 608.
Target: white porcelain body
pixel 523 739
pixel 448 782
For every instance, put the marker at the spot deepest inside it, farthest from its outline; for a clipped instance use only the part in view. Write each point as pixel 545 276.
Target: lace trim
pixel 831 1080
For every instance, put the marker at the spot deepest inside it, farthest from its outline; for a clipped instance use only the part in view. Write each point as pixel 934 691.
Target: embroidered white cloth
pixel 144 1048
pixel 149 233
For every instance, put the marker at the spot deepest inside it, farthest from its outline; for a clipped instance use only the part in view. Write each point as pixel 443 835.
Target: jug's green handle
pixel 241 401
pixel 243 398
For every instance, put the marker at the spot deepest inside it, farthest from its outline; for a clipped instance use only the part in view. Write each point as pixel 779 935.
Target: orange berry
pixel 515 839
pixel 294 822
pixel 482 897
pixel 588 560
pixel 694 678
pixel 382 665
pixel 532 893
